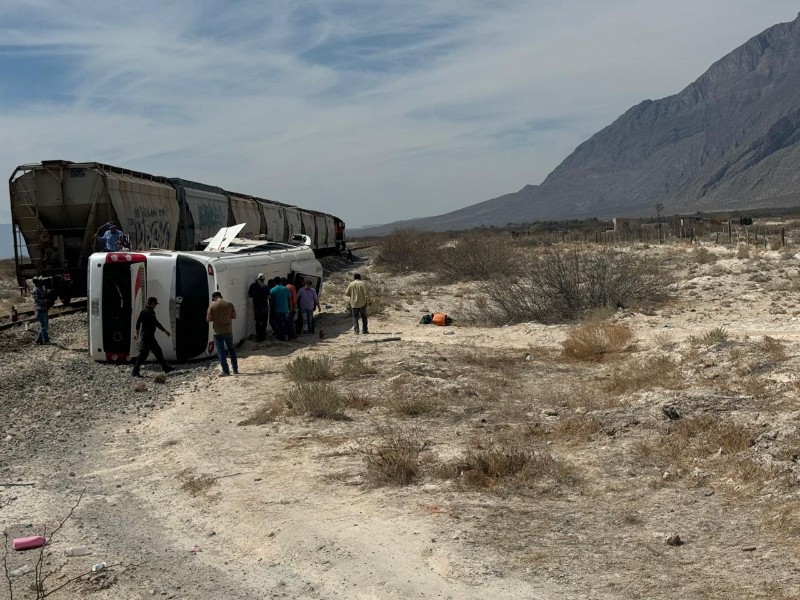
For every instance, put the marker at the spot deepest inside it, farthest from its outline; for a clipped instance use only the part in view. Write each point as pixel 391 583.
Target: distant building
pixel 627 223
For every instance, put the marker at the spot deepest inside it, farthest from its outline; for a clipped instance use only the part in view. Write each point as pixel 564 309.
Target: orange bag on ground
pixel 439 319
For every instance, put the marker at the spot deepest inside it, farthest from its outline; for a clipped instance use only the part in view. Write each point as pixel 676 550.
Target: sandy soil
pixel 288 512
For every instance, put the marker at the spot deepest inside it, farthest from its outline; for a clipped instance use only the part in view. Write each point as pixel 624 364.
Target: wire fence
pixel 771 236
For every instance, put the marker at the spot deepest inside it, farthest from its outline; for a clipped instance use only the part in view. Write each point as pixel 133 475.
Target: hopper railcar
pixel 58 206
pixel 120 282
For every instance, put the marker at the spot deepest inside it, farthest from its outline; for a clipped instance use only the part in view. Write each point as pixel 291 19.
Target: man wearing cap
pixel 111 238
pixel 147 323
pixel 259 292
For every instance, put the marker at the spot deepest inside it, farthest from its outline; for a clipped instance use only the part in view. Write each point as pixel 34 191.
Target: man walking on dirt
pixel 147 323
pixel 221 314
pixel 356 294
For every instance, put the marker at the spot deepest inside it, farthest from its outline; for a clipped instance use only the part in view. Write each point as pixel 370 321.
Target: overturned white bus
pixel 120 282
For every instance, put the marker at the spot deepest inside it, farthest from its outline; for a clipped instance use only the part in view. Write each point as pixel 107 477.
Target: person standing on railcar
pixel 112 240
pixel 147 323
pixel 221 314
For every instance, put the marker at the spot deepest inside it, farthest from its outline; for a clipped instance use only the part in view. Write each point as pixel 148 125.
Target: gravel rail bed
pixel 51 395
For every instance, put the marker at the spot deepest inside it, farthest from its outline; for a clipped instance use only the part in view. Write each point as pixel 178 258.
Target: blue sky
pixel 373 111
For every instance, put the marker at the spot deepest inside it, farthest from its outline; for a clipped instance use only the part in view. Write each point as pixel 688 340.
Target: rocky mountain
pixel 729 140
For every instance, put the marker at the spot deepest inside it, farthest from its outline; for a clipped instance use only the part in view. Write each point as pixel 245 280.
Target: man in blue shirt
pixel 279 296
pixel 111 237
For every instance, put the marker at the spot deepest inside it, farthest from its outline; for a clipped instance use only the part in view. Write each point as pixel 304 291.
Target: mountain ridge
pixel 728 140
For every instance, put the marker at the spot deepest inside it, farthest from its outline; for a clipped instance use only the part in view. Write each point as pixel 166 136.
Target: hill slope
pixel 730 139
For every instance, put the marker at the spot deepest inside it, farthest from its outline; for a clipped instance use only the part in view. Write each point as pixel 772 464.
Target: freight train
pixel 119 283
pixel 58 208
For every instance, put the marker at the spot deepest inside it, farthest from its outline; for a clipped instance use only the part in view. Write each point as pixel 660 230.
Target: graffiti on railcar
pixel 211 216
pixel 151 229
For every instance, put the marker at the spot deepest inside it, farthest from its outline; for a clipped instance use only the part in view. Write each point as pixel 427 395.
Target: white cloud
pixel 371 111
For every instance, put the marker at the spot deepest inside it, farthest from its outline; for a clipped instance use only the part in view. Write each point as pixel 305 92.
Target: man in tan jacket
pixel 221 314
pixel 358 299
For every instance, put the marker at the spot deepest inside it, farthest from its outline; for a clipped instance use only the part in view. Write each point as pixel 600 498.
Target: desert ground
pixel 470 461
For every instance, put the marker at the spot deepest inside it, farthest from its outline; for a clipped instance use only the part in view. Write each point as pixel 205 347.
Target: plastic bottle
pixel 96 568
pixel 23 570
pixel 78 551
pixel 14 314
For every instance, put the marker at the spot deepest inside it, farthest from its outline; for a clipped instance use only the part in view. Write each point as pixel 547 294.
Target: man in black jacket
pixel 147 323
pixel 259 292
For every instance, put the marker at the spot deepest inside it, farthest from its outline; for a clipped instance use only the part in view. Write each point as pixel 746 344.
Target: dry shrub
pixel 718 335
pixel 594 340
pixel 785 520
pixel 394 459
pixel 353 365
pixel 358 401
pixel 698 437
pixel 196 485
pixel 307 368
pixel 407 250
pixel 565 285
pixel 576 428
pixel 316 400
pixel 414 405
pixel 755 386
pixel 730 437
pixel 477 257
pixel 509 463
pixel 657 371
pixel 703 256
pixel 743 252
pixel 379 297
pixel 629 516
pixel 751 473
pixel 497 360
pixel 775 350
pixel 663 339
pixel 587 394
pixel 266 413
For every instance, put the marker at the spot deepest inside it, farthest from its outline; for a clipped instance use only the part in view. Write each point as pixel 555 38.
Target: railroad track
pixel 29 316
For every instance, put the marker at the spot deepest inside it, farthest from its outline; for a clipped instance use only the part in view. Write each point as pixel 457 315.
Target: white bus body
pixel 121 282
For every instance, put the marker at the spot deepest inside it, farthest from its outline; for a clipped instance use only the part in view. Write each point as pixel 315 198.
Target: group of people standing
pixel 279 304
pixel 275 301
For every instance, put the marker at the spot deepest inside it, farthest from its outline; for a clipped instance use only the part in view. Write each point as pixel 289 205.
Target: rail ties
pixel 29 316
